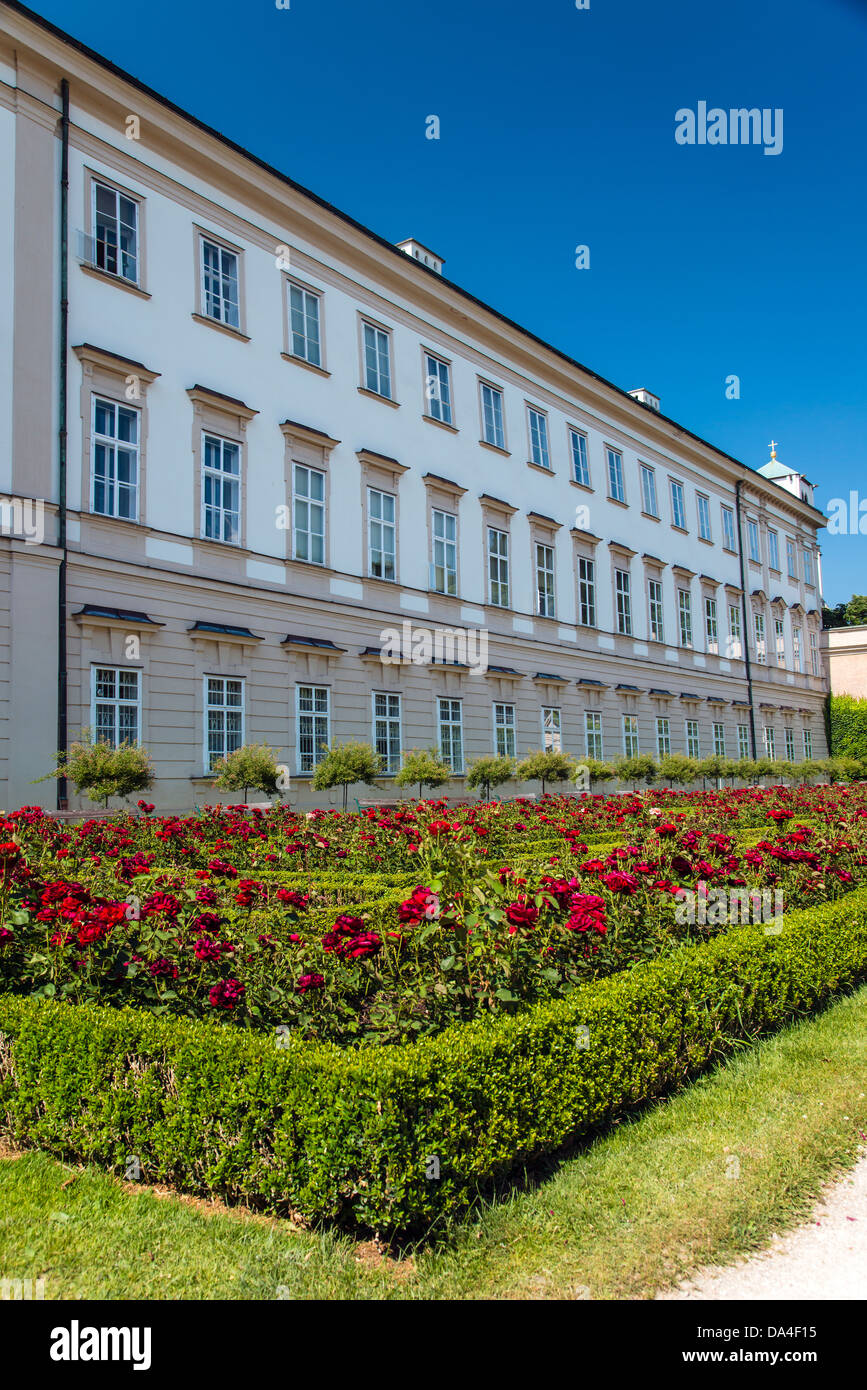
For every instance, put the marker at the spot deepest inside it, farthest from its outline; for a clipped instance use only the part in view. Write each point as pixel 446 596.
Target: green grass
pixel 700 1178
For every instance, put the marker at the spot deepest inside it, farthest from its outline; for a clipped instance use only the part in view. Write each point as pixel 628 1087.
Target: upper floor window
pixel 115 704
pixel 791 561
pixel 115 460
pixel 678 506
pixel 586 592
pixel 623 602
pixel 308 514
pixel 220 283
pixel 492 416
pixel 780 641
pixel 116 232
pixel 580 467
pixel 498 567
pixel 808 567
pixel 796 648
pixel 753 548
pixel 616 487
pixel 761 649
pixel 437 389
pixel 304 327
pixel 648 490
pixel 728 519
pixel 704 517
pixel 710 625
pixel 684 613
pixel 221 489
pixel 444 566
pixel 773 550
pixel 654 595
pixel 545 580
pixel 377 360
pixel 814 655
pixel 381 534
pixel 735 645
pixel 538 425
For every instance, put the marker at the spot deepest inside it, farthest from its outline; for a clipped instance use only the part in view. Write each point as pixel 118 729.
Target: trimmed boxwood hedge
pixel 350 1136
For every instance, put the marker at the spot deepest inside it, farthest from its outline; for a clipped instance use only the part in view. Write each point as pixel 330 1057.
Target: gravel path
pixel 827 1258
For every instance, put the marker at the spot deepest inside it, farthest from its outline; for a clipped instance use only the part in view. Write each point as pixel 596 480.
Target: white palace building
pixel 247 445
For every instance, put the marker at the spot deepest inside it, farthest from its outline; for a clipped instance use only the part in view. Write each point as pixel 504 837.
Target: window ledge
pixel 375 396
pixel 443 425
pixel 705 540
pixel 617 502
pixel 682 529
pixel 539 468
pixel 651 516
pixel 302 362
pixel 583 487
pixel 118 280
pixel 495 448
pixel 220 327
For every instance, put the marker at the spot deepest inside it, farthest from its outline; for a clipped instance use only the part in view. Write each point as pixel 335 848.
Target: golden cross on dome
pixel 773 448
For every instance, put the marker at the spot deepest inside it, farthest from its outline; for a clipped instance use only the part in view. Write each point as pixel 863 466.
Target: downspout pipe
pixel 62 668
pixel 746 636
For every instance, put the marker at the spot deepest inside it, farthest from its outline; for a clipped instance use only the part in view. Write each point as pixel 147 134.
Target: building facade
pixel 845 653
pixel 262 455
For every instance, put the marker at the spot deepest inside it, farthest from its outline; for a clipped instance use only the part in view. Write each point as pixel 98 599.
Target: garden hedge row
pixel 351 1136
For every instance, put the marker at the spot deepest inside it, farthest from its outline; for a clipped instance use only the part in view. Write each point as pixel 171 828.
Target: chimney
pixel 422 253
pixel 645 397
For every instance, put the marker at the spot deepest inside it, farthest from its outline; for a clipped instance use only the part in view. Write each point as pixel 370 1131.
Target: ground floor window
pixel 314 724
pixel 504 731
pixel 770 742
pixel 630 735
pixel 552 734
pixel 224 717
pixel 663 737
pixel 808 743
pixel 593 734
pixel 386 730
pixel 451 734
pixel 693 743
pixel 115 704
pixel 790 745
pixel 743 741
pixel 719 740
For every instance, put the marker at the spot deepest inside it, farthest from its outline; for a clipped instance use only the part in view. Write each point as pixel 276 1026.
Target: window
pixel 623 602
pixel 790 745
pixel 381 528
pixel 808 743
pixel 693 744
pixel 770 742
pixel 753 541
pixel 663 737
pixel 437 389
pixel 814 655
pixel 703 517
pixel 791 561
pixel 773 550
pixel 684 615
pixel 586 592
pixel 743 741
pixel 451 734
pixel 386 730
pixel 538 438
pixel 711 627
pixel 504 731
pixel 616 489
pixel 304 325
pixel 678 506
pixel 796 644
pixel 654 594
pixel 808 566
pixel 648 490
pixel 492 416
pixel 115 460
pixel 221 489
pixel 115 704
pixel 498 567
pixel 719 740
pixel 545 580
pixel 552 733
pixel 224 718
pixel 761 650
pixel 780 641
pixel 735 644
pixel 377 362
pixel 728 518
pixel 220 293
pixel 630 735
pixel 308 514
pixel 580 468
pixel 593 734
pixel 444 569
pixel 116 234
pixel 314 725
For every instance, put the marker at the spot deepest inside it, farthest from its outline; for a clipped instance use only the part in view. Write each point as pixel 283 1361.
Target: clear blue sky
pixel 557 129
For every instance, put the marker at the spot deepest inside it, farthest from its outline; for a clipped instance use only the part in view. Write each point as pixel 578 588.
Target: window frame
pixel 616 475
pixel 496 392
pixel 322 502
pixel 594 733
pixel 102 398
pixel 551 573
pixel 389 720
pixel 584 452
pixel 676 490
pixel 312 714
pixel 205 238
pixel 382 330
pixel 317 295
pixel 97 181
pixel 428 356
pixel 445 542
pixel 505 725
pixel 623 602
pixel 655 610
pixel 212 436
pixel 500 559
pixel 116 700
pixel 649 494
pixel 225 708
pixel 386 526
pixel 589 584
pixel 451 724
pixel 542 443
pixel 552 739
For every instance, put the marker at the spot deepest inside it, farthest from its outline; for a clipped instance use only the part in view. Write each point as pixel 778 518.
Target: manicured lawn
pixel 702 1177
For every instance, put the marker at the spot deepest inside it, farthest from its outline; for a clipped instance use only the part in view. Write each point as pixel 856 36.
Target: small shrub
pixel 102 771
pixel 345 764
pixel 252 767
pixel 544 767
pixel 490 772
pixel 423 767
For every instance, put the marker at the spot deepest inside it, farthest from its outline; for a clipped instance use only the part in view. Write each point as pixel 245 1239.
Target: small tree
pixel 598 771
pixel 254 765
pixel 713 766
pixel 490 772
pixel 347 763
pixel 639 768
pixel 678 769
pixel 425 768
pixel 101 771
pixel 546 766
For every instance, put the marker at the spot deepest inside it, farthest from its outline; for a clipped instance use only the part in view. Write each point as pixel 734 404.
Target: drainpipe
pixel 62 674
pixel 746 637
